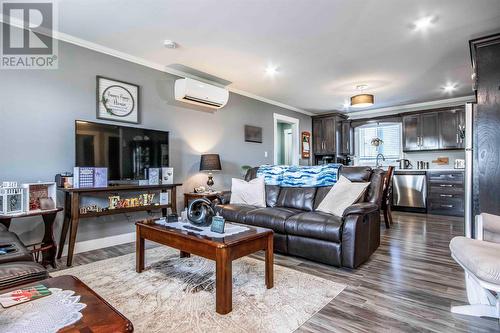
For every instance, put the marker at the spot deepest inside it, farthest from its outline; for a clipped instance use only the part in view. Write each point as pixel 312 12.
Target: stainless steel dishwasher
pixel 410 190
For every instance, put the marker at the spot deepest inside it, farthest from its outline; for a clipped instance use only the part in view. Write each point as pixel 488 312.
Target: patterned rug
pixel 178 295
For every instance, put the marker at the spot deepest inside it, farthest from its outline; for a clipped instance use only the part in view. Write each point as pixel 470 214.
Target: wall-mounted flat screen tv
pixel 127 152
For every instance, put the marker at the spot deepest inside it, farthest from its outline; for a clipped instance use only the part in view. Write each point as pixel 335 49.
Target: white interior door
pixel 288 146
pixel 294 137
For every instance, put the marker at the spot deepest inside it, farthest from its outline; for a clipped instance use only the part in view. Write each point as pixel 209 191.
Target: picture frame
pixel 117 100
pixel 218 224
pixel 253 134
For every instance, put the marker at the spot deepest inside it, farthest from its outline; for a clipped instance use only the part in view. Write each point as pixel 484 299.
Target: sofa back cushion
pixel 272 194
pixel 321 193
pixel 375 191
pixel 356 173
pixel 297 197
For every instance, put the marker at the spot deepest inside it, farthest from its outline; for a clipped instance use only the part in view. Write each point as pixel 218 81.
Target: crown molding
pixel 410 107
pixel 143 62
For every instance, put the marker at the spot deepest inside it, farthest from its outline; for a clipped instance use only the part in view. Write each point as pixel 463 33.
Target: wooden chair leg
pixel 389 214
pixel 386 219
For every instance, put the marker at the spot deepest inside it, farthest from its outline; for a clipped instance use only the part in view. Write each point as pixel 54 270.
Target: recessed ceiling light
pixel 450 87
pixel 423 23
pixel 271 70
pixel 169 44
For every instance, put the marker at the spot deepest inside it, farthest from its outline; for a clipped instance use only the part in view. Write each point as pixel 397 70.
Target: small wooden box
pixel 34 191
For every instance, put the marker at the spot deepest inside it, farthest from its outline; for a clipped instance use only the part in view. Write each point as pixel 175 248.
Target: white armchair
pixel 480 259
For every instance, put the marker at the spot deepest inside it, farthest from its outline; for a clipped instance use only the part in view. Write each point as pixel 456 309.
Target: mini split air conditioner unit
pixel 200 93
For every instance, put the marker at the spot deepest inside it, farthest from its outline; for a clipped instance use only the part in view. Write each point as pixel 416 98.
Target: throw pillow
pixel 248 193
pixel 343 194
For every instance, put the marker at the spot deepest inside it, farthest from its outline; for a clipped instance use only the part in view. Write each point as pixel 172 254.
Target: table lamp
pixel 210 162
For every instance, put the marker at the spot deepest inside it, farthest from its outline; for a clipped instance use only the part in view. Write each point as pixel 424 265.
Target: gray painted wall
pixel 38 109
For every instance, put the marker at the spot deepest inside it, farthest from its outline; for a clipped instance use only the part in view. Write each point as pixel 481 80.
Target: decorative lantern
pixel 11 199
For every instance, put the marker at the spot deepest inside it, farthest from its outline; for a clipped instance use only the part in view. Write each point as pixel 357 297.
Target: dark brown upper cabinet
pixel 345 142
pixel 450 135
pixel 429 132
pixel 433 130
pixel 327 134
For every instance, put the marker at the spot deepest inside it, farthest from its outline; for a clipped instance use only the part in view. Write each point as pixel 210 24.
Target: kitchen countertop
pixel 425 170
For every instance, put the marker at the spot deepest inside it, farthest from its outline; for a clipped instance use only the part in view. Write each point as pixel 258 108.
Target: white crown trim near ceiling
pixel 411 107
pixel 143 62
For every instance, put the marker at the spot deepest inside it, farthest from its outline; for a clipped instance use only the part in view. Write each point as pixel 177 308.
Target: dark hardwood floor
pixel 408 285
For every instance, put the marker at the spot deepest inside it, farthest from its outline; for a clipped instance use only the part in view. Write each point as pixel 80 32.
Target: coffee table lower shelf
pixel 222 250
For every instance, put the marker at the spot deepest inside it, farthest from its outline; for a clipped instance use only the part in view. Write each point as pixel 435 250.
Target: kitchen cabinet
pixel 327 132
pixel 433 130
pixel 411 133
pixel 429 131
pixel 445 192
pixel 346 138
pixel 317 142
pixel 420 132
pixel 451 122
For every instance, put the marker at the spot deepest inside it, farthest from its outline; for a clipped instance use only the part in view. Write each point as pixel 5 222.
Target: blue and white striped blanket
pixel 299 176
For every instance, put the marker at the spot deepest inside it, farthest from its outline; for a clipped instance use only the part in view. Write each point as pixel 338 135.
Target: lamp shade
pixel 363 100
pixel 210 162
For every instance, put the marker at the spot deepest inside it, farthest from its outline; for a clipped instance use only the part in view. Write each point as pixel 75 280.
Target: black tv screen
pixel 126 151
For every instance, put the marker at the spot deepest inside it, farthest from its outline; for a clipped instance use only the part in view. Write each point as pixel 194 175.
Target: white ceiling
pixel 323 48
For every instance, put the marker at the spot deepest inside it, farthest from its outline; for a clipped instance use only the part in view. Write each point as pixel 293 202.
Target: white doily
pixel 229 229
pixel 44 315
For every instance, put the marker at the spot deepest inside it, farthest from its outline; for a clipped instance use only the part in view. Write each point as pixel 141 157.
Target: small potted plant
pixel 376 142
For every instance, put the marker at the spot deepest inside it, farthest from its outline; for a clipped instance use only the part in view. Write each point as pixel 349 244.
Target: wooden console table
pixel 48 245
pixel 72 214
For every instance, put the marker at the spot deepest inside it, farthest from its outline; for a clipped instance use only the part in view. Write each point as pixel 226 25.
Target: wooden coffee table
pixel 98 315
pixel 223 250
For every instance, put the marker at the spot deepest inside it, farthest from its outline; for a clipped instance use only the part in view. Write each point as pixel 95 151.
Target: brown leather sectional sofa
pixel 18 267
pixel 302 231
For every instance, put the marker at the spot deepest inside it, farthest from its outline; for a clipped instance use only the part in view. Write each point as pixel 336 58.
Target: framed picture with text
pixel 117 100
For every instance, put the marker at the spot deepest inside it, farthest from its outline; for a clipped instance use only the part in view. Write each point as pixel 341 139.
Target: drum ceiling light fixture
pixel 362 100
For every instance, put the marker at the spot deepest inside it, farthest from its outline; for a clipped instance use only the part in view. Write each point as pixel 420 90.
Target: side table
pixel 190 196
pixel 98 316
pixel 48 245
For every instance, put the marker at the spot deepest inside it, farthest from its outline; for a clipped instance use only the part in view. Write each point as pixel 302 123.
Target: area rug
pixel 178 294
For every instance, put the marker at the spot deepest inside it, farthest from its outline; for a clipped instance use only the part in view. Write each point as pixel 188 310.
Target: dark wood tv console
pixel 72 213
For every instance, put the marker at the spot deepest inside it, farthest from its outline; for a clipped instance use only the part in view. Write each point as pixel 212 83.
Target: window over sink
pixel 366 150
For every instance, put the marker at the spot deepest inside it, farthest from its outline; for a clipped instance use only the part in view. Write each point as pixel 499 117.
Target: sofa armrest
pixel 488 227
pixel 361 208
pixel 360 233
pixel 223 198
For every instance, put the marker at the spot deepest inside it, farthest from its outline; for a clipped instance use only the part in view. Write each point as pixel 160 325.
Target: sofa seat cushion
pixel 234 212
pixel 271 217
pixel 20 253
pixel 21 272
pixel 479 257
pixel 315 225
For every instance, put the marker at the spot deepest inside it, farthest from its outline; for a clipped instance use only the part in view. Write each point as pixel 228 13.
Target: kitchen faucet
pixel 377 164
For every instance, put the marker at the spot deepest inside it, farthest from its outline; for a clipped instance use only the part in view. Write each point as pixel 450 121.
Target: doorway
pixel 286 140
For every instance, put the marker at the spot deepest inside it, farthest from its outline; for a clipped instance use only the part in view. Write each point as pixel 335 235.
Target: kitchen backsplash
pixel 430 156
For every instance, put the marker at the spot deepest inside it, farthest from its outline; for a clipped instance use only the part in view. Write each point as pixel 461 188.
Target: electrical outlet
pixel 265 154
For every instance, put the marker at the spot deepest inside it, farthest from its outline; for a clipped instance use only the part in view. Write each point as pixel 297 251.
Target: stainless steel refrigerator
pixel 469 221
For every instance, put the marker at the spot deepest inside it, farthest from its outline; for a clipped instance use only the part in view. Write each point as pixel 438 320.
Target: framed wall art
pixel 117 100
pixel 253 134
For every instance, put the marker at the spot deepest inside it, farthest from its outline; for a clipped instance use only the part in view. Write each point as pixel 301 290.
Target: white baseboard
pixel 100 243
